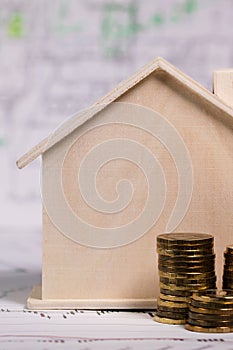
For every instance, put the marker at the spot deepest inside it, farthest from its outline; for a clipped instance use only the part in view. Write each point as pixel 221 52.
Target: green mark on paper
pixel 178 12
pixel 157 19
pixel 16 26
pixel 113 51
pixel 63 29
pixel 119 21
pixel 2 141
pixel 63 23
pixel 64 9
pixel 119 25
pixel 190 6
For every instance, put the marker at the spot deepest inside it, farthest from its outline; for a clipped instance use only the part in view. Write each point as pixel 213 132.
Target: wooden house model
pixel 152 156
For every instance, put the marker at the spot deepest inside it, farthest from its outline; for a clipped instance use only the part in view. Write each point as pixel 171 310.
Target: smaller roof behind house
pixel 82 117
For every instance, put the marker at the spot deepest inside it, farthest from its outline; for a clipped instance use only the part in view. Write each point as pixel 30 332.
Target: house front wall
pixel 74 270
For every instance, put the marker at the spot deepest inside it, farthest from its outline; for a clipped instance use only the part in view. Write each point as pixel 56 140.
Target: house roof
pixel 80 118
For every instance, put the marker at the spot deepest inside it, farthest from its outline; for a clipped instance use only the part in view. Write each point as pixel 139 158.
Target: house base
pixel 35 302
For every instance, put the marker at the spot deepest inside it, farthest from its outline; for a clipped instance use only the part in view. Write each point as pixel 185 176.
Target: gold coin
pixel 228 264
pixel 176 293
pixel 189 282
pixel 185 269
pixel 228 256
pixel 168 320
pixel 185 261
pixel 210 305
pixel 229 249
pixel 172 315
pixel 210 317
pixel 168 297
pixel 227 285
pixel 184 237
pixel 190 266
pixel 193 289
pixel 171 304
pixel 190 275
pixel 228 278
pixel 212 295
pixel 186 277
pixel 185 253
pixel 227 282
pixel 228 268
pixel 187 258
pixel 216 312
pixel 174 310
pixel 208 258
pixel 180 242
pixel 229 260
pixel 193 328
pixel 228 274
pixel 186 247
pixel 215 323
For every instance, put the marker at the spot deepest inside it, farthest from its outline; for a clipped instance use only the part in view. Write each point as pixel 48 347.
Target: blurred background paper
pixel 57 57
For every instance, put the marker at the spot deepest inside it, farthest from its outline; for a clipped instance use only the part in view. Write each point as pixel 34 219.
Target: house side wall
pixel 207 134
pixel 73 271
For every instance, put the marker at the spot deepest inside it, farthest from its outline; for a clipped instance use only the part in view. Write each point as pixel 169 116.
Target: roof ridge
pixel 119 90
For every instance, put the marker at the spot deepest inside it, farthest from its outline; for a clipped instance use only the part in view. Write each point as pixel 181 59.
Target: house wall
pixel 74 271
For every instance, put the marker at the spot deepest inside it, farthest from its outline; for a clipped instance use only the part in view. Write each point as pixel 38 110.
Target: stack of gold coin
pixel 186 264
pixel 211 311
pixel 227 282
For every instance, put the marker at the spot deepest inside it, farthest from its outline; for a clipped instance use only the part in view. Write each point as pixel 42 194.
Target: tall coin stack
pixel 186 264
pixel 227 281
pixel 211 312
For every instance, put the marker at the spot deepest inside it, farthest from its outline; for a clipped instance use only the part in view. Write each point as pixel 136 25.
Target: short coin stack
pixel 186 264
pixel 211 312
pixel 227 282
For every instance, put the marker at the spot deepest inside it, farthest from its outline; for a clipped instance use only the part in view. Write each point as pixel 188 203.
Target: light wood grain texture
pixel 35 302
pixel 74 275
pixel 223 85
